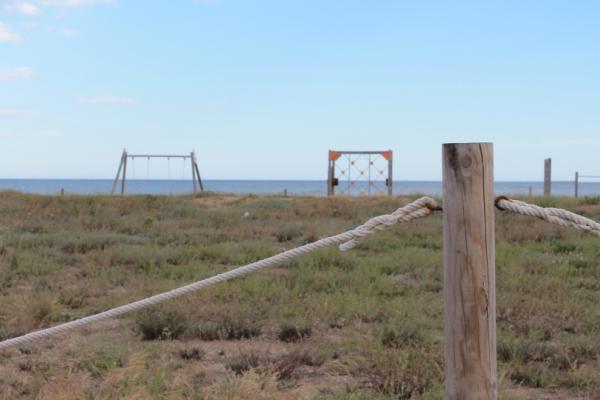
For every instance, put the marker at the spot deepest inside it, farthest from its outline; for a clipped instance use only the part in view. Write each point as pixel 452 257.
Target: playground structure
pixel 125 157
pixel 578 176
pixel 360 172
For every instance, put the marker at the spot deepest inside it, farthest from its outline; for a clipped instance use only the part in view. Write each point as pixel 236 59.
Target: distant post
pixel 390 179
pixel 195 168
pixel 547 177
pixel 124 173
pixel 192 157
pixel 333 156
pixel 576 184
pixel 469 272
pixel 123 157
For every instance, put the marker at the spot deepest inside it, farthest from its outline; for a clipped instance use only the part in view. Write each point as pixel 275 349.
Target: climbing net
pixel 360 173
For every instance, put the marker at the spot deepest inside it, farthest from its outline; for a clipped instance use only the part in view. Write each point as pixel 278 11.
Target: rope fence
pixel 347 240
pixel 419 208
pixel 557 216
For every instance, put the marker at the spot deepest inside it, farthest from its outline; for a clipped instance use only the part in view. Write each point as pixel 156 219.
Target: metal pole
pixel 469 272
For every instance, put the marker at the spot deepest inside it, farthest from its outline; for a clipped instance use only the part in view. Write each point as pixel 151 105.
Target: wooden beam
pixel 469 272
pixel 114 187
pixel 198 177
pixel 390 177
pixel 124 173
pixel 193 157
pixel 330 164
pixel 547 177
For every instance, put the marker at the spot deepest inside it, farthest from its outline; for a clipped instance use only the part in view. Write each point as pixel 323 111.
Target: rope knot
pixel 417 209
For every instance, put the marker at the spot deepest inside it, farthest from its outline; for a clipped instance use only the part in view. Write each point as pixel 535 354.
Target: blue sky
pixel 262 89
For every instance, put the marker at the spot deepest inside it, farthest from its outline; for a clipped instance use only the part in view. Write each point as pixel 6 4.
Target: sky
pixel 262 89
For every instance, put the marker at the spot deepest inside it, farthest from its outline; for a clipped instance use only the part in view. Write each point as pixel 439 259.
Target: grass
pixel 363 324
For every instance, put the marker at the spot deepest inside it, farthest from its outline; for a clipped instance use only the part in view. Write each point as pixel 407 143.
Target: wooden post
pixel 198 174
pixel 576 184
pixel 124 173
pixel 469 272
pixel 330 189
pixel 192 157
pixel 547 177
pixel 114 187
pixel 390 177
pixel 530 190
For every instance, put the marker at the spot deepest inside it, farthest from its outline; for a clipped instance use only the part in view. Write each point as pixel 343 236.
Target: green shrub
pixel 161 324
pixel 193 353
pixel 289 332
pixel 229 328
pixel 243 362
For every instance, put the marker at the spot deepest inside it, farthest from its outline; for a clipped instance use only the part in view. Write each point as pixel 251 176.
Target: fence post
pixel 469 272
pixel 547 177
pixel 576 184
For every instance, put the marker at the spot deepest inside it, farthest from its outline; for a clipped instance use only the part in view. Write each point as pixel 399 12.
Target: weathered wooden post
pixel 331 173
pixel 576 184
pixel 390 175
pixel 547 177
pixel 125 156
pixel 195 167
pixel 469 272
pixel 116 181
pixel 192 157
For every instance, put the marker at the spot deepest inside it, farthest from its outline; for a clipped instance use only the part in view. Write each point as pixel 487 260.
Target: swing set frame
pixel 122 170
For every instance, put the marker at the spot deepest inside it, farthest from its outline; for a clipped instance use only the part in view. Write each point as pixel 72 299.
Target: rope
pixel 557 216
pixel 417 209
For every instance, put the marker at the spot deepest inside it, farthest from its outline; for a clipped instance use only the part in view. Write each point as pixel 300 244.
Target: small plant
pixel 243 362
pixel 288 233
pixel 206 331
pixel 229 328
pixel 402 336
pixel 289 332
pixel 289 363
pixel 42 311
pixel 161 324
pixel 191 354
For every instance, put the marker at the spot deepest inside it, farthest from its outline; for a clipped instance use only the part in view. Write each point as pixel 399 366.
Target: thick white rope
pixel 417 209
pixel 557 216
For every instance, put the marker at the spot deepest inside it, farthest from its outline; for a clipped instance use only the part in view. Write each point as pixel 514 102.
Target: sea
pixel 270 187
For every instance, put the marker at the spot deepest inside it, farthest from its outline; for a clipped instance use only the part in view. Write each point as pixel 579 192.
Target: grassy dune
pixel 365 324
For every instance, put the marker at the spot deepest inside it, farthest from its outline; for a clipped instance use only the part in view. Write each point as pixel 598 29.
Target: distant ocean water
pixel 264 187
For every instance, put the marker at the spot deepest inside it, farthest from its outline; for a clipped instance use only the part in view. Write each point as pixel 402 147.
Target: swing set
pixel 125 157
